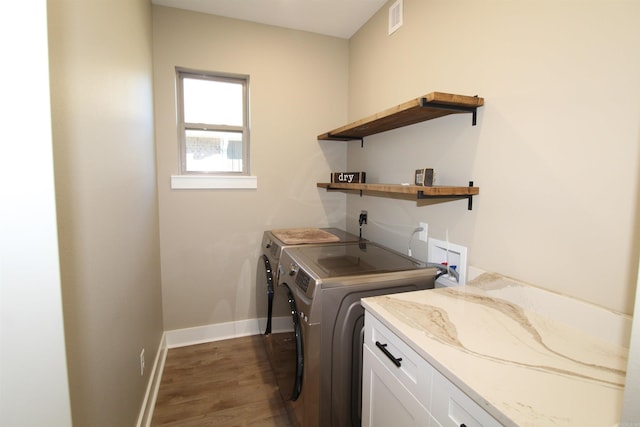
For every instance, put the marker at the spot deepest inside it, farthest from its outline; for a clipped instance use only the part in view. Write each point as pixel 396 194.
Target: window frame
pixel 183 127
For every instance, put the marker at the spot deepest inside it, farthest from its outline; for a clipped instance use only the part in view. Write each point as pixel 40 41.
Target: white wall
pixel 34 389
pixel 555 152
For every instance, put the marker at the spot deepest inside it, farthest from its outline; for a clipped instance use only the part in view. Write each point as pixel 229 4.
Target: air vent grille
pixel 395 16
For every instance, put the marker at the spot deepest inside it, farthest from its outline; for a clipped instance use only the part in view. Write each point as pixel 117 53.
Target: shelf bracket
pixel 456 108
pixel 330 188
pixel 469 197
pixel 346 138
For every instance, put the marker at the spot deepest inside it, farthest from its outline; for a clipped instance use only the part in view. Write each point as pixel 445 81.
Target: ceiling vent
pixel 395 16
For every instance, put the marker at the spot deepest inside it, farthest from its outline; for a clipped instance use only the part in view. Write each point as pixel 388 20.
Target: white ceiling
pixel 339 18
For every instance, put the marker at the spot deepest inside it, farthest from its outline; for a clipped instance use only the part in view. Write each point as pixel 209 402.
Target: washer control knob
pixel 293 269
pixel 268 245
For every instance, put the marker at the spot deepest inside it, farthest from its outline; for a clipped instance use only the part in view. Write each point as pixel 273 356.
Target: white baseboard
pixel 222 331
pixel 208 333
pixel 149 402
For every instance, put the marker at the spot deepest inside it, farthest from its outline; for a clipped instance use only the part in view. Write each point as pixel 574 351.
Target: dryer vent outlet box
pixel 440 251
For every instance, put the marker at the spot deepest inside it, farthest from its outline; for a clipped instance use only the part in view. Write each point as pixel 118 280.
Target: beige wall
pixel 630 409
pixel 104 162
pixel 210 238
pixel 555 152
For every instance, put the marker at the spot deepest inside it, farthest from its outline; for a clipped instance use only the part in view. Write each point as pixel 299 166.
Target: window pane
pixel 211 151
pixel 212 102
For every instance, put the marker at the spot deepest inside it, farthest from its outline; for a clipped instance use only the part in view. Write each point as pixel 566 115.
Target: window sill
pixel 201 182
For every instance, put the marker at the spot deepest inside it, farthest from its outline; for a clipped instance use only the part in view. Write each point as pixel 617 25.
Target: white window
pixel 213 123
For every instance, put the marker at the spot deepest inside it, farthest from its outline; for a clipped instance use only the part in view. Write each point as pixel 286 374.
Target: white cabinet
pixel 400 388
pixel 452 408
pixel 387 402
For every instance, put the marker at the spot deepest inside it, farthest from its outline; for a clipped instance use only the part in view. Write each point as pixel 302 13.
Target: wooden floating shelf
pixel 427 107
pixel 420 192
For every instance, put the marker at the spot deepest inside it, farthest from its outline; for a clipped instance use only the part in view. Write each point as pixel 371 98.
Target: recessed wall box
pixel 349 177
pixel 424 177
pixel 452 255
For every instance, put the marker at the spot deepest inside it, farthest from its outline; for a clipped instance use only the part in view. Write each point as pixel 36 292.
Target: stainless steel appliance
pixel 273 242
pixel 318 365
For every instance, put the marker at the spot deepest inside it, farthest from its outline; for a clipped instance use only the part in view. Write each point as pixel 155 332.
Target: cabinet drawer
pixel 451 407
pixel 414 372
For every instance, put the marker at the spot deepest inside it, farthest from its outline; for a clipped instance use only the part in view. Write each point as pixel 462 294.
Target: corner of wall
pixel 149 401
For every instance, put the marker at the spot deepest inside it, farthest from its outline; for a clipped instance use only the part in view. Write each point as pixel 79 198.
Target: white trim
pixel 221 331
pixel 151 395
pixel 208 333
pixel 202 182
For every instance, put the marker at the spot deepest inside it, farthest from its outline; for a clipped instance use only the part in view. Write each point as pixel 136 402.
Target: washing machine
pixel 273 242
pixel 318 361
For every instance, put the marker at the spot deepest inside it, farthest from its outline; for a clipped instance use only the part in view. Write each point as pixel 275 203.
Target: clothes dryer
pixel 273 242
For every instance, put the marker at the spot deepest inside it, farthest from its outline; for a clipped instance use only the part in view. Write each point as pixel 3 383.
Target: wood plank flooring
pixel 223 383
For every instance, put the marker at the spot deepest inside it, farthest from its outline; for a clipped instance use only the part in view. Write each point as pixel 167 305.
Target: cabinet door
pixel 385 401
pixel 452 408
pixel 414 372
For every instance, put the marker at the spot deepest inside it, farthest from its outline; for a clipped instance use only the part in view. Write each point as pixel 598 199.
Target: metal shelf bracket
pixel 469 197
pixel 346 138
pixel 456 108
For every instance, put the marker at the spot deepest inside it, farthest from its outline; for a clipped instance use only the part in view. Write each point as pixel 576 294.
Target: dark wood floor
pixel 223 383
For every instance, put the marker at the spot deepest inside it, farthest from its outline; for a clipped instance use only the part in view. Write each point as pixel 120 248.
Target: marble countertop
pixel 528 356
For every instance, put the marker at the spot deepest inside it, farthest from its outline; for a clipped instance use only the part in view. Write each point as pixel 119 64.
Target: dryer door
pixel 265 279
pixel 288 357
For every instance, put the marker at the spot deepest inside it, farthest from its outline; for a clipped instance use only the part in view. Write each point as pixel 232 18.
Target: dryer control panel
pixel 302 280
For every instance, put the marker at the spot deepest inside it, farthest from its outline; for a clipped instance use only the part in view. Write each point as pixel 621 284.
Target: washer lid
pixel 352 259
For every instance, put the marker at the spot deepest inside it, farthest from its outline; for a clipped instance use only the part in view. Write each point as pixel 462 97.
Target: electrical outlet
pixel 142 362
pixel 422 236
pixel 363 217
